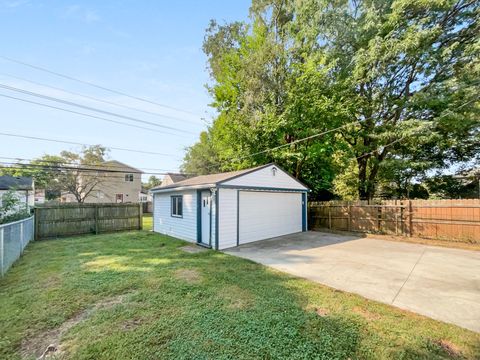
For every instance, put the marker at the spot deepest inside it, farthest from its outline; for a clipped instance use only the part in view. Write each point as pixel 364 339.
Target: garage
pixel 225 210
pixel 264 215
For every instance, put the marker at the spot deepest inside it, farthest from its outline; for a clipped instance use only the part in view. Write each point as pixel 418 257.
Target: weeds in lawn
pixel 137 295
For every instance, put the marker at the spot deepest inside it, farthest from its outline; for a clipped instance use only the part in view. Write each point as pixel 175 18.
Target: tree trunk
pixel 366 184
pixel 362 178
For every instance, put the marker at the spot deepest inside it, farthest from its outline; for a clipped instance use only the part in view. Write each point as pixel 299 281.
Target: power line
pixel 336 129
pixel 297 141
pixel 81 169
pixel 100 165
pixel 88 115
pixel 303 139
pixel 70 103
pixel 95 85
pixel 100 100
pixel 81 144
pixel 82 174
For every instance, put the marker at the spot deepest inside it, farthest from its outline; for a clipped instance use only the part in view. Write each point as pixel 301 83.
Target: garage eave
pixel 261 188
pixel 181 188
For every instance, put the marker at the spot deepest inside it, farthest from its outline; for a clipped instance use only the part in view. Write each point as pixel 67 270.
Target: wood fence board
pixel 77 219
pixel 453 220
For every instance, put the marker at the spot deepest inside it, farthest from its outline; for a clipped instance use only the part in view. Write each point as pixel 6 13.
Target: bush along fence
pixel 53 221
pixel 14 237
pixel 452 220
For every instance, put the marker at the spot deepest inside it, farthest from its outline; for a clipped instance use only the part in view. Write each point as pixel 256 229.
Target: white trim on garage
pixel 247 205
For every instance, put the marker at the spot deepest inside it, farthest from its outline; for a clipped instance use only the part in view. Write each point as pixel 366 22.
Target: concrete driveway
pixel 441 283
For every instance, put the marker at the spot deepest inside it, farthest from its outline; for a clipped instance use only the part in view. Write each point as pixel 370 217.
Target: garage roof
pixel 212 179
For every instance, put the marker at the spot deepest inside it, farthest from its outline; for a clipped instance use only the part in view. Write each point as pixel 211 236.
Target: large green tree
pixel 398 79
pixel 72 172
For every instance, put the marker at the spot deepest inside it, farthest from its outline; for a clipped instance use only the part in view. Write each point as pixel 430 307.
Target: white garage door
pixel 265 215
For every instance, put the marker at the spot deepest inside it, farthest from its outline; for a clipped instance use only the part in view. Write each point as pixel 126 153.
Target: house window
pixel 128 177
pixel 177 206
pixel 119 198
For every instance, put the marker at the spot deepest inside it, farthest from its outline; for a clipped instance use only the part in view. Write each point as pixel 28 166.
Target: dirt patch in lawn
pixel 47 344
pixel 131 324
pixel 190 276
pixel 321 312
pixel 193 249
pixel 450 348
pixel 236 297
pixel 367 315
pixel 317 310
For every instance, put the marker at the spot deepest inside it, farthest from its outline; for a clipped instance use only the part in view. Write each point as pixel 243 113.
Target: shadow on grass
pixel 235 308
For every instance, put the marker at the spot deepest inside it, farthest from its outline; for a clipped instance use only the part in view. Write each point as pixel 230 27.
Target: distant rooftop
pixel 16 182
pixel 177 177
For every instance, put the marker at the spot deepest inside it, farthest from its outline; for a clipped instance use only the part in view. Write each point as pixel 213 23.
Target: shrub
pixel 11 208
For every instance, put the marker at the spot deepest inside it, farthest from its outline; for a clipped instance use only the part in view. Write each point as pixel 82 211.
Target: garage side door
pixel 265 215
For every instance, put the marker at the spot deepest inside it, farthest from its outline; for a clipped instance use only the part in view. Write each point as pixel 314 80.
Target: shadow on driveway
pixel 441 283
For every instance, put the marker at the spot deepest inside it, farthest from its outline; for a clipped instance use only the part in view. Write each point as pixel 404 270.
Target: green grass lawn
pixel 137 295
pixel 147 222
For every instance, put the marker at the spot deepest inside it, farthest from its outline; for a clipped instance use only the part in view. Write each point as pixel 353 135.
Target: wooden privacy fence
pixel 454 220
pixel 76 219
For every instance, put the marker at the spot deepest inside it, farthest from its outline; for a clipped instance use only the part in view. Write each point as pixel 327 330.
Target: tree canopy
pixel 67 172
pixel 381 91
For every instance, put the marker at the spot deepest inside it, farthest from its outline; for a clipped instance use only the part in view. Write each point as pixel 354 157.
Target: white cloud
pixel 14 3
pixel 78 12
pixel 91 16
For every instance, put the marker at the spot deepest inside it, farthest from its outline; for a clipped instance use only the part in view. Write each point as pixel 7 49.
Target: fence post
pixel 36 215
pixel 140 216
pixel 379 218
pixel 410 216
pixel 2 251
pixel 396 218
pixel 329 218
pixel 349 210
pixel 95 209
pixel 21 237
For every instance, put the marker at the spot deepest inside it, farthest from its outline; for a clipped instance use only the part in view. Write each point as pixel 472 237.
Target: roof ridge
pixel 214 178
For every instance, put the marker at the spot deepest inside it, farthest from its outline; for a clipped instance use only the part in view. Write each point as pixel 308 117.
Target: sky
pixel 147 49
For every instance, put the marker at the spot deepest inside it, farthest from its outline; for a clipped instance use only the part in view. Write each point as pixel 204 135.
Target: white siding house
pixel 231 209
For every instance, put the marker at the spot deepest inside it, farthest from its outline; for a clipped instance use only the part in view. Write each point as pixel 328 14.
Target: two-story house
pixel 118 183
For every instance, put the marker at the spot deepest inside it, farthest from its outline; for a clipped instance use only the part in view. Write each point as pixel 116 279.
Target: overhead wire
pixel 89 115
pixel 100 100
pixel 336 129
pixel 82 144
pixel 99 165
pixel 118 92
pixel 82 169
pixel 85 107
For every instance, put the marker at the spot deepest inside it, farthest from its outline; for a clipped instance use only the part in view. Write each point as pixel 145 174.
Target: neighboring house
pixel 121 184
pixel 172 178
pixel 230 209
pixel 23 186
pixel 144 196
pixel 39 196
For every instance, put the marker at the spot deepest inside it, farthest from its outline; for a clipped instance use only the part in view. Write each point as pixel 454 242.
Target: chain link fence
pixel 13 239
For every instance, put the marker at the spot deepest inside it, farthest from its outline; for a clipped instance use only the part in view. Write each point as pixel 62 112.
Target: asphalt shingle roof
pixel 16 182
pixel 177 177
pixel 207 179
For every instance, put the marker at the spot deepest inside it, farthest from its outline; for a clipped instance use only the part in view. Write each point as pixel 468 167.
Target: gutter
pixel 186 187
